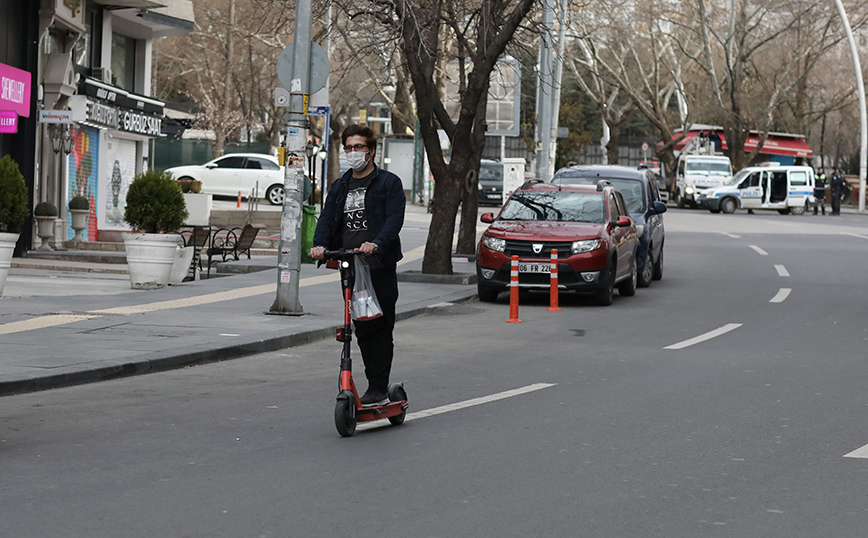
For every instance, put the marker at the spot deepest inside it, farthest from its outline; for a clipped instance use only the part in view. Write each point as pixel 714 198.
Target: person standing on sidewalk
pixel 365 210
pixel 820 190
pixel 837 187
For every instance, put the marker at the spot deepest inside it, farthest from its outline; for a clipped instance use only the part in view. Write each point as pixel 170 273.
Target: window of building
pixel 124 62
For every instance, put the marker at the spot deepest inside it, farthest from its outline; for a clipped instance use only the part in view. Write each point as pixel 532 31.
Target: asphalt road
pixel 624 427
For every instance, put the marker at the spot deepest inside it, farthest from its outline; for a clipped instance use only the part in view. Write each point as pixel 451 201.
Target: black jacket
pixel 384 204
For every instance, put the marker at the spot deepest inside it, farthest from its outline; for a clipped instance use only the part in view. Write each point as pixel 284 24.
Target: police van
pixel 788 189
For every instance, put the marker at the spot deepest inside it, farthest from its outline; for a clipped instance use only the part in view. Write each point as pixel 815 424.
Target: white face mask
pixel 357 160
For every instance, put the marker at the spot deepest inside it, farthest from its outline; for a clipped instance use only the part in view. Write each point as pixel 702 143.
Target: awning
pixel 774 145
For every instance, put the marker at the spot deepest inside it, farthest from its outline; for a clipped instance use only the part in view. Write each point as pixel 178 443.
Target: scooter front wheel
pixel 345 416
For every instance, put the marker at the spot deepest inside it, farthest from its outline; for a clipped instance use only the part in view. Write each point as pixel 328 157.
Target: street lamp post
pixel 863 116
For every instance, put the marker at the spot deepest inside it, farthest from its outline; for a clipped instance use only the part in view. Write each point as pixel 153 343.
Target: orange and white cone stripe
pixel 513 292
pixel 553 300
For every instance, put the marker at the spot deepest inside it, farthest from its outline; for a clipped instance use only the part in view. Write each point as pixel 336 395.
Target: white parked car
pixel 788 189
pixel 234 172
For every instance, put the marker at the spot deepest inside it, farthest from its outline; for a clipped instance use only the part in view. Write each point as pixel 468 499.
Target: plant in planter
pixel 46 214
pixel 156 207
pixel 14 208
pixel 79 208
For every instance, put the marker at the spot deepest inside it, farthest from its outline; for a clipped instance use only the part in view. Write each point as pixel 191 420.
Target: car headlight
pixel 689 190
pixel 494 243
pixel 587 245
pixel 479 186
pixel 639 229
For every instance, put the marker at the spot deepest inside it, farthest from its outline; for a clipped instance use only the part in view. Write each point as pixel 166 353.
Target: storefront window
pixel 124 62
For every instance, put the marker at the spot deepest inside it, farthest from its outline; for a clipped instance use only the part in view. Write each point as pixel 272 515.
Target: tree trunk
pixel 613 143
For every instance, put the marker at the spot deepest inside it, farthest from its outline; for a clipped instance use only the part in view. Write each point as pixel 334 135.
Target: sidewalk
pixel 94 327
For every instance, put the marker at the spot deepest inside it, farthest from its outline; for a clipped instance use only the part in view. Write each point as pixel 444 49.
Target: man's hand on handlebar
pixel 317 253
pixel 367 249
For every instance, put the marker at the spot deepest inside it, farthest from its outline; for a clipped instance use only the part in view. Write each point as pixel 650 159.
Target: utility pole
pixel 543 96
pixel 289 255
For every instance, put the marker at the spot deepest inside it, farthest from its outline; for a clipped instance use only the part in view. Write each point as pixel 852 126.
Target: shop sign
pixel 55 116
pixel 124 120
pixel 8 121
pixel 15 90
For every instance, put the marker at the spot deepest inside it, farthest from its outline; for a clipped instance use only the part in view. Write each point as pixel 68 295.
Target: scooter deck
pixel 391 409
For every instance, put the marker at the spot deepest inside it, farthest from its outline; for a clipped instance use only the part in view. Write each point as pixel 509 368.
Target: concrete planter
pixel 7 245
pixel 150 258
pixel 199 207
pixel 45 231
pixel 79 222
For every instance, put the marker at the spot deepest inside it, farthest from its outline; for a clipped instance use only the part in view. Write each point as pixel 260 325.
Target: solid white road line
pixel 854 235
pixel 760 251
pixel 858 453
pixel 781 296
pixel 733 236
pixel 707 336
pixel 782 271
pixel 461 405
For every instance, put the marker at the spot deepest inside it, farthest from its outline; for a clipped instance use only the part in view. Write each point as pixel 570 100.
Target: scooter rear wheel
pixel 345 416
pixel 398 394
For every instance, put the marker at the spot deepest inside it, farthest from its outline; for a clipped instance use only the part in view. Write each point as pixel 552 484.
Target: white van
pixel 788 189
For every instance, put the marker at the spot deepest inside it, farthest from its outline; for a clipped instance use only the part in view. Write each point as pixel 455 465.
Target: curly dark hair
pixel 360 130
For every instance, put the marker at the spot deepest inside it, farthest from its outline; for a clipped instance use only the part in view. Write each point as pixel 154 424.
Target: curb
pixel 172 360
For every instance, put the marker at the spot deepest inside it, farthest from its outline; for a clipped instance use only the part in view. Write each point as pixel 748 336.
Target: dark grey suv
pixel 639 189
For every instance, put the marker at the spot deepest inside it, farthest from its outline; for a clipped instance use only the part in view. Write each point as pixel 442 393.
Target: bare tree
pixel 729 45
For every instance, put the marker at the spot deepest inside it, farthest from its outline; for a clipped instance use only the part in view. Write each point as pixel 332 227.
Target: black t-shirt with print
pixel 355 219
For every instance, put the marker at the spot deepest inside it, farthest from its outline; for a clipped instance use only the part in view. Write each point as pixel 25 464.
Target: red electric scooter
pixel 348 408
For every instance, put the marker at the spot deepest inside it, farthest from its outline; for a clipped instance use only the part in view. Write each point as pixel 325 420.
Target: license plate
pixel 494 196
pixel 534 268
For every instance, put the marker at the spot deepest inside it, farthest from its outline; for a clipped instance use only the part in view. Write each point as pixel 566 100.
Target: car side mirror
pixel 659 207
pixel 487 218
pixel 623 221
pixel 210 166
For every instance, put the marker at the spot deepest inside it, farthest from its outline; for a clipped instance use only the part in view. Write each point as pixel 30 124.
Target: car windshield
pixel 555 206
pixel 738 176
pixel 491 172
pixel 707 167
pixel 631 189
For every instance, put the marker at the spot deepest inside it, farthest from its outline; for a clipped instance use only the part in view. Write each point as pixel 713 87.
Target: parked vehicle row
pixel 603 221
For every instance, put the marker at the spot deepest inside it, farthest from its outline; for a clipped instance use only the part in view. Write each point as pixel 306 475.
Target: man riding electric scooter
pixel 365 210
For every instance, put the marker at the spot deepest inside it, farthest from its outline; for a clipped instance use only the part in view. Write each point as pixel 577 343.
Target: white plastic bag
pixel 365 306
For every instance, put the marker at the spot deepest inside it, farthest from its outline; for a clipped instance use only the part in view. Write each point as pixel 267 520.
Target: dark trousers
pixel 375 336
pixel 820 200
pixel 836 202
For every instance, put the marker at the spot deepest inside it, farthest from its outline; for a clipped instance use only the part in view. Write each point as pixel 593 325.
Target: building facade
pixel 92 120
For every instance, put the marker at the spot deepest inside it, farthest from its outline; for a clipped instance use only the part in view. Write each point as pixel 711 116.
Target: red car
pixel 590 227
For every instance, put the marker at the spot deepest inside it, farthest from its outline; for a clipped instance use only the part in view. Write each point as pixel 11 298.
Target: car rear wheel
pixel 627 288
pixel 799 210
pixel 728 205
pixel 275 195
pixel 606 294
pixel 486 295
pixel 647 274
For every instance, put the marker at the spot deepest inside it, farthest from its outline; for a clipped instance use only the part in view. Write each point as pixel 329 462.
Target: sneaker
pixel 374 397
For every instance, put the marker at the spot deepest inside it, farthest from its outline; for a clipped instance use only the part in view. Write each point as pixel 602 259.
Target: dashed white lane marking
pixel 425 413
pixel 858 453
pixel 781 296
pixel 707 336
pixel 52 321
pixel 782 271
pixel 759 251
pixel 733 236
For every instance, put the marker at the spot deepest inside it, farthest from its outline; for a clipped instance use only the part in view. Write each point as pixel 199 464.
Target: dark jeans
pixel 375 336
pixel 820 200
